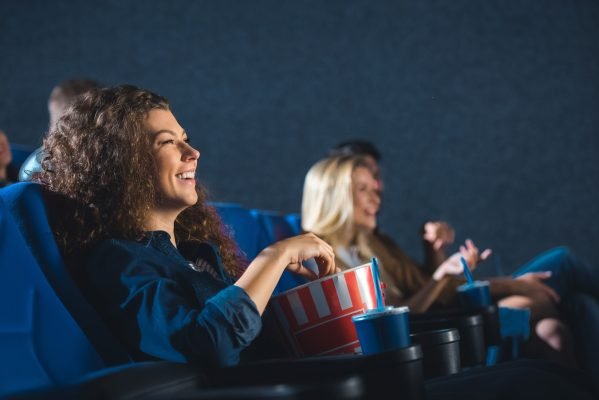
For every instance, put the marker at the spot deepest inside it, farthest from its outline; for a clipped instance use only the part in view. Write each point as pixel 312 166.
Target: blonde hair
pixel 327 202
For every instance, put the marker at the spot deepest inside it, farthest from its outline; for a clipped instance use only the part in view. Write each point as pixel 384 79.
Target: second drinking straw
pixel 376 277
pixel 467 272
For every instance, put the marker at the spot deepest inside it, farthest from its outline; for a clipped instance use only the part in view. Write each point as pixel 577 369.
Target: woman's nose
pixel 190 153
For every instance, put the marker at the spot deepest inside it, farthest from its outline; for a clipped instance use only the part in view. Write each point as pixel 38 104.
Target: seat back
pixel 277 226
pixel 41 344
pixel 49 334
pixel 295 221
pixel 31 165
pixel 244 226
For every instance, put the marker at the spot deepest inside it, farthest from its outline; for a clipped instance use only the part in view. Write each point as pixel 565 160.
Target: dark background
pixel 486 111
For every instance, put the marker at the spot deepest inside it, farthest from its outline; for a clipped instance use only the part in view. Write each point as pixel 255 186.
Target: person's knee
pixel 554 332
pixel 563 253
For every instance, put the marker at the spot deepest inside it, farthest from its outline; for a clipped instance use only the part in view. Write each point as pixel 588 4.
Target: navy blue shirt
pixel 167 306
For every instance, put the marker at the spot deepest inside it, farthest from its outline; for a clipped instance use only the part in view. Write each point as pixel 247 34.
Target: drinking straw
pixel 467 272
pixel 377 284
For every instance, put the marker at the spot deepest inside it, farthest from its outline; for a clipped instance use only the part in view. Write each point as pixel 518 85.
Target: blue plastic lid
pixel 376 313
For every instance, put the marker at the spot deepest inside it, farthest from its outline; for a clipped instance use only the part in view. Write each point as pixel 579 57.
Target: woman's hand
pixel 438 235
pixel 453 265
pixel 261 276
pixel 300 248
pixel 531 284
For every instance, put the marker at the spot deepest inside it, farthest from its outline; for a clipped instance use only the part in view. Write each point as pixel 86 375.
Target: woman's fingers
pixel 326 265
pixel 551 293
pixel 535 279
pixel 486 254
pixel 542 274
pixel 322 252
pixel 306 273
pixel 439 234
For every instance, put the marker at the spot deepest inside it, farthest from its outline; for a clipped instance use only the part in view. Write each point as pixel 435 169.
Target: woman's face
pixel 366 198
pixel 376 170
pixel 176 163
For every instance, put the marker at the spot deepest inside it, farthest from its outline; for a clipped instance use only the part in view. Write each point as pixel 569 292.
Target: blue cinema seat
pixel 39 342
pixel 276 227
pixel 244 226
pixel 54 345
pixel 31 165
pixel 295 221
pixel 49 334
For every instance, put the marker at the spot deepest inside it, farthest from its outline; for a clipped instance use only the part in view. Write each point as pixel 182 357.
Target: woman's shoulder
pixel 112 246
pixel 117 253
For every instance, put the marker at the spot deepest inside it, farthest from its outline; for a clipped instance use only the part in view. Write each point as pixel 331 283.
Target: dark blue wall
pixel 486 111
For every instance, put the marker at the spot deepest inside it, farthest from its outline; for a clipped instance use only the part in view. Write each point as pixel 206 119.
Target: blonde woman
pixel 340 204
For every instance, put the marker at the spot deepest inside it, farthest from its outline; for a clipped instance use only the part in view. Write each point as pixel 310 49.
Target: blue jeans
pixel 577 283
pixel 568 273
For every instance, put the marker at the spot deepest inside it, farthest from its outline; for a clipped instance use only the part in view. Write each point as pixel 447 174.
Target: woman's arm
pixel 262 275
pixel 528 285
pixel 157 306
pixel 426 296
pixel 422 300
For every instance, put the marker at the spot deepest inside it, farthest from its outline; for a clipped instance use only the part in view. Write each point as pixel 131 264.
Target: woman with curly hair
pixel 148 251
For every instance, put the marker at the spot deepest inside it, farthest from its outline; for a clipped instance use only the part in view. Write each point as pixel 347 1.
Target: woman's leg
pixel 554 342
pixel 568 273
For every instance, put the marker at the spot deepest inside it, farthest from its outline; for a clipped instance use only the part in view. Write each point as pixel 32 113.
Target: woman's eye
pixel 169 141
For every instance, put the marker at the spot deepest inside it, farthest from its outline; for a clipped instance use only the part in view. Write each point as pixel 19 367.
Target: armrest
pixel 381 373
pixel 134 380
pixel 341 376
pixel 489 314
pixel 162 380
pixel 473 349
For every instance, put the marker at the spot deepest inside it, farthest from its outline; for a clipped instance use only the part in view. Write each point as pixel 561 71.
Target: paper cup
pixel 383 330
pixel 475 295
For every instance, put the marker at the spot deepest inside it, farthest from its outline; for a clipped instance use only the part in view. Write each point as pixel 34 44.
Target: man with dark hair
pixel 356 146
pixel 364 148
pixel 64 94
pixel 61 98
pixel 437 235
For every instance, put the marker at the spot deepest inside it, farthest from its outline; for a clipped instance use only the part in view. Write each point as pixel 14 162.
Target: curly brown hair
pixel 97 158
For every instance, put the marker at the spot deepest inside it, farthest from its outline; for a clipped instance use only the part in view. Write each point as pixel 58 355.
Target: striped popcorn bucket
pixel 316 318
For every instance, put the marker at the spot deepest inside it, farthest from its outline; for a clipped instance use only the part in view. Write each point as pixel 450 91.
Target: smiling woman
pixel 340 203
pixel 148 251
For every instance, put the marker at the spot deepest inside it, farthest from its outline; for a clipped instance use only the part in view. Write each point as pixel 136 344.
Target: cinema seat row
pixel 54 345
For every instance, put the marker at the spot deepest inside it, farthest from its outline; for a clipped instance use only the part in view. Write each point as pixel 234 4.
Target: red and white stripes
pixel 316 317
